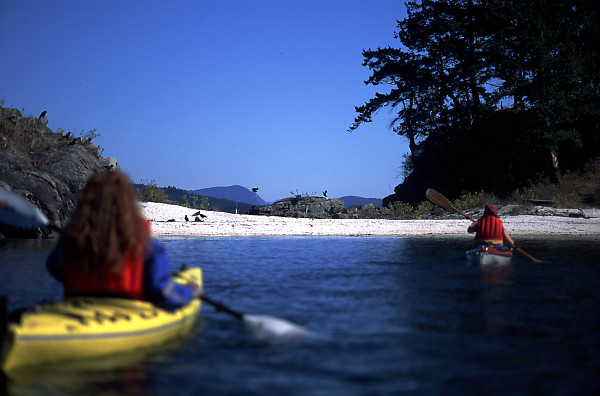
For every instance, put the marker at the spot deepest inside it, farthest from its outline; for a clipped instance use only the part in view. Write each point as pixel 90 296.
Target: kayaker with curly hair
pixel 489 229
pixel 107 249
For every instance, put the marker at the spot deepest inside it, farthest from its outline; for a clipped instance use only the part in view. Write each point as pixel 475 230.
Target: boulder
pixel 319 208
pixel 591 213
pixel 304 207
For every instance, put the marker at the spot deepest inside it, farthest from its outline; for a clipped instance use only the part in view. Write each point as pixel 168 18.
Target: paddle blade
pixel 438 198
pixel 271 328
pixel 18 212
pixel 442 201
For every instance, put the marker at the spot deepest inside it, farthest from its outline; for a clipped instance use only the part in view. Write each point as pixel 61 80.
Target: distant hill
pixel 176 196
pixel 237 198
pixel 354 201
pixel 232 193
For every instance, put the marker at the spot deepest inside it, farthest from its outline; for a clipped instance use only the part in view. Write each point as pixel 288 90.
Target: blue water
pixel 398 315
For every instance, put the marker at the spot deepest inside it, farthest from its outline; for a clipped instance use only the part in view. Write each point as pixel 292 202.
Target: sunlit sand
pixel 228 224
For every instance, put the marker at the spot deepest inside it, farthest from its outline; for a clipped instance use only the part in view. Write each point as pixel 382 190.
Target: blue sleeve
pixel 163 291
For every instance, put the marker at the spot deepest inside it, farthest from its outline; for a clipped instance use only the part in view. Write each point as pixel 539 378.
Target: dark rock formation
pixel 411 191
pixel 424 175
pixel 40 165
pixel 319 208
pixel 304 207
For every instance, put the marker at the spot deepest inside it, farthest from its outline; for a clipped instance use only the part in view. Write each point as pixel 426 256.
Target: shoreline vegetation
pixel 578 190
pixel 40 164
pixel 169 220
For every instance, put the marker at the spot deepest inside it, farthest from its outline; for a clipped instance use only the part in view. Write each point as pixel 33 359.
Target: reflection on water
pixel 23 271
pixel 405 315
pixel 495 279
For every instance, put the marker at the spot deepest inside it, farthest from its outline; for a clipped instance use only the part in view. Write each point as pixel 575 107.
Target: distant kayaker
pixel 107 249
pixel 490 230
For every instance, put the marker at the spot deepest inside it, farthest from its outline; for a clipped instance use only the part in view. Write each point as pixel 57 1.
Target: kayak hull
pixel 488 255
pixel 89 327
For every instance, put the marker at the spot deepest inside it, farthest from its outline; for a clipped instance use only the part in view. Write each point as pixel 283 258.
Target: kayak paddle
pixel 440 200
pixel 19 212
pixel 264 327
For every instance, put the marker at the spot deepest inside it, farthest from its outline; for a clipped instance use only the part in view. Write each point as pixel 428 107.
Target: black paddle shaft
pixel 220 307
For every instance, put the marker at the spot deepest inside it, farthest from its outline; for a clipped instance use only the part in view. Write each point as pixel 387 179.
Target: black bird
pixel 186 218
pixel 43 115
pixel 325 193
pixel 255 189
pixel 68 135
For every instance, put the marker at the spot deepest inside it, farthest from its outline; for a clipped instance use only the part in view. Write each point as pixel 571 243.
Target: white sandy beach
pixel 228 224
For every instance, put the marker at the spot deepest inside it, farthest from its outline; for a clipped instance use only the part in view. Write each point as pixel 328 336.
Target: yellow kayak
pixel 89 327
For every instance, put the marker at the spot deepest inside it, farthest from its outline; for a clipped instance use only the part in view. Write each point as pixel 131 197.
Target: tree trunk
pixel 556 173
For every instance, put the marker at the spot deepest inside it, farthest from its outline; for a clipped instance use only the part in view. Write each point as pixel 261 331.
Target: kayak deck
pixel 489 255
pixel 87 327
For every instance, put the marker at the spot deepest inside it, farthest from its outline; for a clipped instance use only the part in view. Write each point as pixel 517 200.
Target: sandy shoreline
pixel 228 224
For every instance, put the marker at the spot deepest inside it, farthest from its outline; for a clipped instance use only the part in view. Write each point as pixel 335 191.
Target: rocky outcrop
pixel 304 207
pixel 586 213
pixel 320 208
pixel 47 168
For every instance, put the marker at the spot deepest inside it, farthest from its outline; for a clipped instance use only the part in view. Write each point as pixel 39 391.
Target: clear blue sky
pixel 198 94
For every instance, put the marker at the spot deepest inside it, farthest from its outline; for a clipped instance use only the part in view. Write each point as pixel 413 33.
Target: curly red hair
pixel 106 226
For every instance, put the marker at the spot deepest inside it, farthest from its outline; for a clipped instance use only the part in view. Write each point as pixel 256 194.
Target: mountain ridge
pixel 242 194
pixel 234 193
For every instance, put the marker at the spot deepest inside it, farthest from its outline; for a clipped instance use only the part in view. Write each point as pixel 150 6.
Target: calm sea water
pixel 400 316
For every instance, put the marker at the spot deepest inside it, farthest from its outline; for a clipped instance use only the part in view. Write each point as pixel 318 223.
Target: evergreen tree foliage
pixel 485 90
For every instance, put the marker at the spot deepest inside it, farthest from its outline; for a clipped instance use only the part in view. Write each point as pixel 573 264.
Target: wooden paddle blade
pixel 438 198
pixel 444 202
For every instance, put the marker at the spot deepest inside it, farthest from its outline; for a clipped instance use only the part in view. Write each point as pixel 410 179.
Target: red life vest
pixel 489 230
pixel 128 284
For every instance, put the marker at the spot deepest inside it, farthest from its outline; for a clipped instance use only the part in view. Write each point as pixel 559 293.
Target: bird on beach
pixel 43 114
pixel 186 218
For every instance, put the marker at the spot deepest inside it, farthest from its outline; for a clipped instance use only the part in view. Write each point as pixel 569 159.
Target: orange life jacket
pixel 489 230
pixel 128 284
